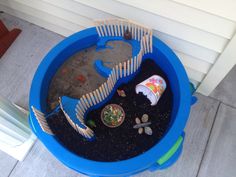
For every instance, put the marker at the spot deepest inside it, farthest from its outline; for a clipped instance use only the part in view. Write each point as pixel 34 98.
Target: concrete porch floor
pixel 209 148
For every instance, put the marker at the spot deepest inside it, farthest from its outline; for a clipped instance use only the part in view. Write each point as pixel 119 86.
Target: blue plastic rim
pixel 179 83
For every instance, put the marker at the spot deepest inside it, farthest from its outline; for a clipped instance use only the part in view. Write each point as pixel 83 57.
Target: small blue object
pixel 163 56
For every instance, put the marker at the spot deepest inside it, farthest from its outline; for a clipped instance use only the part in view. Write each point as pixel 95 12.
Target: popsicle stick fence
pixel 42 120
pixel 118 27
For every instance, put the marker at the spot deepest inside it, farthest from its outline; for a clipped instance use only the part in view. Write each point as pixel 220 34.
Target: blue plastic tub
pixel 160 156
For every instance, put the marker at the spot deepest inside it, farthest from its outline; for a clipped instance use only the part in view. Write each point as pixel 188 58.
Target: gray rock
pixel 140 130
pixel 144 118
pixel 141 125
pixel 148 130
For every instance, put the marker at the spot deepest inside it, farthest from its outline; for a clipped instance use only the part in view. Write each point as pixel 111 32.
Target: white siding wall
pixel 197 31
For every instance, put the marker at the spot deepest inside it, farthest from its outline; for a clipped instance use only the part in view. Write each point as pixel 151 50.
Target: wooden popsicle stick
pixel 106 88
pixel 122 28
pixel 99 96
pixel 144 45
pixel 125 71
pixel 79 106
pixel 83 103
pixel 112 29
pixel 104 28
pixel 120 65
pixel 115 29
pixel 89 100
pixel 108 27
pixel 98 31
pixel 92 98
pixel 148 46
pixel 86 102
pixel 135 32
pixel 117 72
pixel 113 75
pixel 141 33
pixel 131 66
pixel 111 81
pixel 104 91
pixel 135 63
pixel 118 26
pixel 95 97
pixel 101 30
pixel 128 67
pixel 109 85
pixel 101 93
pixel 151 41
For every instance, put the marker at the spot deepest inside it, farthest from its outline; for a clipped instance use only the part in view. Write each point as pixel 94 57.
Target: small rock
pixel 142 125
pixel 148 130
pixel 140 131
pixel 144 118
pixel 121 93
pixel 137 120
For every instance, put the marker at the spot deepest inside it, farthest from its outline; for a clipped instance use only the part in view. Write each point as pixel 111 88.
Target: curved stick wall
pixel 160 156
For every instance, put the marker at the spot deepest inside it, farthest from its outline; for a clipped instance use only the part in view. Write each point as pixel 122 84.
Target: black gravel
pixel 123 142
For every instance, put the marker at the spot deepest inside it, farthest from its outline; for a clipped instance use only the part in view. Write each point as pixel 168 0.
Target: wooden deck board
pixel 197 133
pixel 220 156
